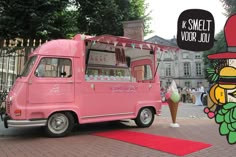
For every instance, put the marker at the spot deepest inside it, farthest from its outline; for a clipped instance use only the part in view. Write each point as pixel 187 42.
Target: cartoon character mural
pixel 223 92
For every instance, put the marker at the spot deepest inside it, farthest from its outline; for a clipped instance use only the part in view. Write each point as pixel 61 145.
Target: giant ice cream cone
pixel 173 99
pixel 173 110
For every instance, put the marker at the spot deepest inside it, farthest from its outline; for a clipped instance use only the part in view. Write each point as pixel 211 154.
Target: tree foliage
pixel 51 19
pixel 33 18
pixel 106 16
pixel 230 6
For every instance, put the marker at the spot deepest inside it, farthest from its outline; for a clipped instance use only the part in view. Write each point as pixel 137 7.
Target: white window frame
pixel 198 69
pixel 167 69
pixel 187 69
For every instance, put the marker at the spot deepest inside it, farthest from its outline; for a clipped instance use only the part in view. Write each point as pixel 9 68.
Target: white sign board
pixel 102 58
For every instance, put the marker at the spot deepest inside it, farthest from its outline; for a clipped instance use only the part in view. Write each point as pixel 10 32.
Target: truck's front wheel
pixel 145 117
pixel 59 124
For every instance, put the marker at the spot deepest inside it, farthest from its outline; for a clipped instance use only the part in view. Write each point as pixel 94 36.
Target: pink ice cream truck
pixel 86 80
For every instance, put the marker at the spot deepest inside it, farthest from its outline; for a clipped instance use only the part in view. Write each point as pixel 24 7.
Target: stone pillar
pixel 134 29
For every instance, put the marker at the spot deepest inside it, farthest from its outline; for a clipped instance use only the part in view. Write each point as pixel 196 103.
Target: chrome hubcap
pixel 58 123
pixel 146 116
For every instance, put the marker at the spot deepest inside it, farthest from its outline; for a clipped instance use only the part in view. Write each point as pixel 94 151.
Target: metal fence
pixel 13 56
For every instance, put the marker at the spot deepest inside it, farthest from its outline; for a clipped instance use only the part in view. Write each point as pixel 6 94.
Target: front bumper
pixel 8 122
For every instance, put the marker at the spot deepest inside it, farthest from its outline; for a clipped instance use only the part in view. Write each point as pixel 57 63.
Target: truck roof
pixel 60 47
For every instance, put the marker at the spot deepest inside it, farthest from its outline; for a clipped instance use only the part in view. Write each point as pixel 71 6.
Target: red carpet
pixel 174 146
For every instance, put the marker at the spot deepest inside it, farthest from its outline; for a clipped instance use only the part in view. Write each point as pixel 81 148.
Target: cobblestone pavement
pixel 186 110
pixel 194 125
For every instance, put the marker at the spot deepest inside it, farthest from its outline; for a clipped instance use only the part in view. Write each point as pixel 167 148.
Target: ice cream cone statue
pixel 173 99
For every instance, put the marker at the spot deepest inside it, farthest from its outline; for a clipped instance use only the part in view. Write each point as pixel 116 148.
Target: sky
pixel 165 15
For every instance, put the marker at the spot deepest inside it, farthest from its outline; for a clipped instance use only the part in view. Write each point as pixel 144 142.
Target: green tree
pixel 106 16
pixel 51 19
pixel 46 19
pixel 230 6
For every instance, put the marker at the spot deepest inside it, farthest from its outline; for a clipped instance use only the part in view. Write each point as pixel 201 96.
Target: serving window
pixel 107 66
pixel 107 74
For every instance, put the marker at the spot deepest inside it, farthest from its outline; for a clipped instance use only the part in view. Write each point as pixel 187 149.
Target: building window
pixel 167 69
pixel 1 63
pixel 11 63
pixel 185 55
pixel 187 84
pixel 167 55
pixel 159 56
pixel 197 56
pixel 187 69
pixel 10 80
pixel 168 84
pixel 198 69
pixel 198 84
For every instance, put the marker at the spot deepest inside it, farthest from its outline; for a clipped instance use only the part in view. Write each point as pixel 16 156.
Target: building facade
pixel 185 67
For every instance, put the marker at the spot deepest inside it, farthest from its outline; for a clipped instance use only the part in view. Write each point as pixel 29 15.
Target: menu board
pixel 102 58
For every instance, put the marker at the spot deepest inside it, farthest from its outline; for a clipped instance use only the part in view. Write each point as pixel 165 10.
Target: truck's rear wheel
pixel 59 124
pixel 145 117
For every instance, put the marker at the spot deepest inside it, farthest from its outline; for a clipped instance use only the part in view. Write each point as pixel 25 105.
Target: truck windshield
pixel 28 66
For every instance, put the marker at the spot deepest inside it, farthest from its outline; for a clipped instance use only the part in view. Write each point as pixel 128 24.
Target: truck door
pixel 52 83
pixel 107 95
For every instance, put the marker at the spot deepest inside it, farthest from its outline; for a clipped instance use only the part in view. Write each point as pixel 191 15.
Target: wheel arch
pixel 145 116
pixel 73 113
pixel 142 105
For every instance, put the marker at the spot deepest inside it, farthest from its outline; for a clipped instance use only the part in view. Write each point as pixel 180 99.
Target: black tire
pixel 145 117
pixel 59 124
